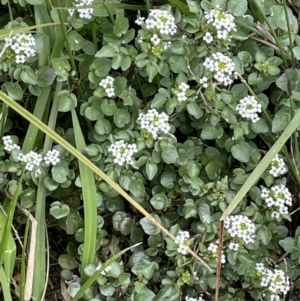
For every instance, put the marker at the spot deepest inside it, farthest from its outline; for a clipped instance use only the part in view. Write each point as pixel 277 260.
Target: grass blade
pixel 10 250
pixel 5 285
pixel 89 201
pixel 9 220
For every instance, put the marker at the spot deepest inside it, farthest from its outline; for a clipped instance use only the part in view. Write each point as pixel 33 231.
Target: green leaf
pixel 204 213
pixel 106 51
pixel 148 227
pixel 194 7
pixel 237 7
pixel 45 76
pixel 265 235
pixel 281 120
pixel 194 110
pixel 121 25
pixel 103 126
pixel 296 52
pixel 101 66
pixel 151 170
pixel 289 77
pixel 288 244
pixel 152 70
pixel 60 172
pixel 67 262
pixel 108 107
pixel 211 132
pixel 59 210
pixel 280 20
pixel 67 101
pixel 121 117
pixel 76 41
pixel 170 155
pixel 242 151
pixel 28 76
pixel 13 90
pixel 158 100
pixel 260 126
pixel 159 201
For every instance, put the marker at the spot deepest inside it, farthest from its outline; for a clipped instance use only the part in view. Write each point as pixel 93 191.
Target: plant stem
pixel 283 56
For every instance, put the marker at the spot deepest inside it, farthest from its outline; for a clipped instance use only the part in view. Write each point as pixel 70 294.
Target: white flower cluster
pixel 32 161
pixel 181 92
pixel 221 67
pixel 277 198
pixel 154 122
pixel 200 298
pixel 239 226
pixel 84 13
pixel 222 24
pixel 108 85
pixel 248 107
pixel 182 239
pixel 8 144
pixel 123 152
pixel 277 167
pixel 22 44
pixel 159 21
pixel 213 249
pixel 52 157
pixel 276 281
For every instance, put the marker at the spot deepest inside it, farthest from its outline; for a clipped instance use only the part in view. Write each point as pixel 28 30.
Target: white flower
pixel 84 13
pixel 8 144
pixel 203 81
pixel 241 227
pixel 140 20
pixel 208 38
pixel 122 152
pixel 182 239
pixel 233 246
pixel 22 44
pixel 52 157
pixel 155 39
pixel 213 249
pixel 248 108
pixel 275 281
pixel 277 198
pixel 159 21
pixel 277 167
pixel 221 67
pixel 188 298
pixel 181 92
pixel 32 161
pixel 154 122
pixel 108 85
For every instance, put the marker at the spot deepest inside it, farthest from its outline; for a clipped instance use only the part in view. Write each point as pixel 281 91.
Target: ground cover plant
pixel 149 150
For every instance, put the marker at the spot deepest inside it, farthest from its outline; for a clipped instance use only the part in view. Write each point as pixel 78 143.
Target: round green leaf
pixel 241 151
pixel 148 227
pixel 67 262
pixel 159 201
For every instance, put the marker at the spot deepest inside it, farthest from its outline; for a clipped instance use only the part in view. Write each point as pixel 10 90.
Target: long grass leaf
pixel 263 165
pixel 43 127
pixel 10 214
pixel 10 250
pixel 89 201
pixel 5 286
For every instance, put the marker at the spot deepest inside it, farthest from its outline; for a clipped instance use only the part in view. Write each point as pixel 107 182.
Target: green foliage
pixel 207 160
